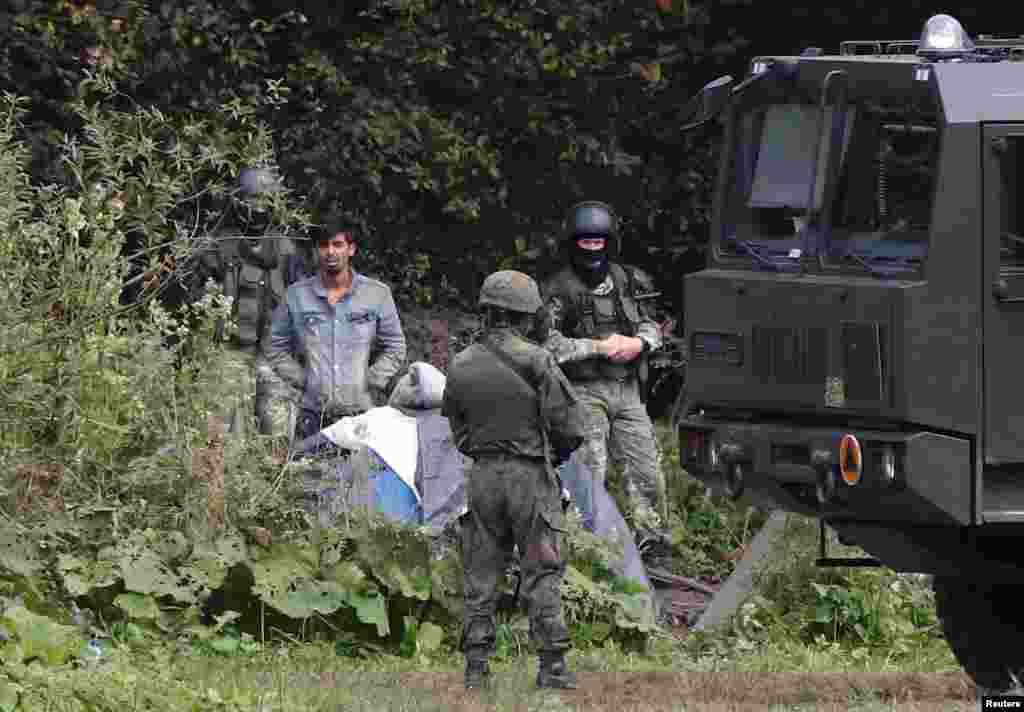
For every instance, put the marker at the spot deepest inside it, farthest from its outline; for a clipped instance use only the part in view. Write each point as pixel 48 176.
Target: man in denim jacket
pixel 337 337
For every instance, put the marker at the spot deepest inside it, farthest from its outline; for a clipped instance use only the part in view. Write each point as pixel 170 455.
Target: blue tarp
pixel 601 515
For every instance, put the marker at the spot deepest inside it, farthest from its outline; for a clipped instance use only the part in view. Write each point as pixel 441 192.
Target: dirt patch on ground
pixel 724 691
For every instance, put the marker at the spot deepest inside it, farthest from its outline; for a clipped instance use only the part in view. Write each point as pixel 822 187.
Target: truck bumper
pixel 839 474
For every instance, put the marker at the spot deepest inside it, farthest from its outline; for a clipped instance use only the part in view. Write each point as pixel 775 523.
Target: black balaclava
pixel 592 220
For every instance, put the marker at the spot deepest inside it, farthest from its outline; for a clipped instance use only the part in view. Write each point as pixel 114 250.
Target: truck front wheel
pixel 981 623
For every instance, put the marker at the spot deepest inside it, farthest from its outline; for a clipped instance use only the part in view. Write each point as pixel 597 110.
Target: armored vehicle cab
pixel 856 340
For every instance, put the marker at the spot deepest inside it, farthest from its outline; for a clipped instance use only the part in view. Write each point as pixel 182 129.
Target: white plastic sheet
pixel 388 432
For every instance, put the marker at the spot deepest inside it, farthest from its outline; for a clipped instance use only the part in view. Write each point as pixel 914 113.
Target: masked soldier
pixel 512 410
pixel 255 271
pixel 601 337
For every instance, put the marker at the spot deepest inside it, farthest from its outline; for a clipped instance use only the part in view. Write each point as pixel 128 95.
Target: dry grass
pixel 711 691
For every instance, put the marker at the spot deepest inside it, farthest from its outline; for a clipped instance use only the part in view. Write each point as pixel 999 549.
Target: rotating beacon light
pixel 944 38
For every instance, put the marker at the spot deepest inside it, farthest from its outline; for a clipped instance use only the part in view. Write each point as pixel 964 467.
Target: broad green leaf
pixel 411 584
pixel 628 585
pixel 39 637
pixel 636 611
pixel 225 644
pixel 347 575
pixel 18 554
pixel 823 613
pixel 9 696
pixel 398 559
pixel 372 608
pixel 210 562
pixel 573 577
pixel 429 637
pixel 145 571
pixel 137 605
pixel 82 576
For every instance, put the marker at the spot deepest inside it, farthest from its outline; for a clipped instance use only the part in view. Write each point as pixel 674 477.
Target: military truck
pixel 856 339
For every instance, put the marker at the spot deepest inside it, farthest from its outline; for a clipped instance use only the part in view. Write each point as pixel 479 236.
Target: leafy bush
pixel 805 616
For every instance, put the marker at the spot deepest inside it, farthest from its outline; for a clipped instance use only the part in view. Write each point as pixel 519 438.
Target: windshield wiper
pixel 774 262
pixel 898 265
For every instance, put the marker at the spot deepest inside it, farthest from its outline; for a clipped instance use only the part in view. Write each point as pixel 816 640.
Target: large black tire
pixel 982 624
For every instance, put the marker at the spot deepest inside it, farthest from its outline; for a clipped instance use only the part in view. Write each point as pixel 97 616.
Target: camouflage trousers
pixel 260 401
pixel 617 424
pixel 512 501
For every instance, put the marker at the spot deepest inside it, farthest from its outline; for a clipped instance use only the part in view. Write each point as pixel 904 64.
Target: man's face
pixel 336 253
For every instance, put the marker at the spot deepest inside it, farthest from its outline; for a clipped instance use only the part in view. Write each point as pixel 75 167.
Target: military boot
pixel 554 672
pixel 478 673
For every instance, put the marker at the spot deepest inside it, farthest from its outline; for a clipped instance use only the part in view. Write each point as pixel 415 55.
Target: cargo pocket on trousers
pixel 546 547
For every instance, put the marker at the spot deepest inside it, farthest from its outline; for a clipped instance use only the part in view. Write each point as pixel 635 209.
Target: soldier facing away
pixel 600 336
pixel 512 410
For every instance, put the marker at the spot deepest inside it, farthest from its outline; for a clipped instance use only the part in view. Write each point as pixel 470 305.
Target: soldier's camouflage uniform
pixel 255 273
pixel 617 423
pixel 514 495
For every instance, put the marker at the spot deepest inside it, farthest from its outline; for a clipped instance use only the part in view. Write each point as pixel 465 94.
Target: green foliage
pixel 228 643
pixel 30 636
pixel 455 131
pixel 819 617
pixel 844 612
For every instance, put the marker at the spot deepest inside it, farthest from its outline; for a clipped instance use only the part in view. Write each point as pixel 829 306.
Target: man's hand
pixel 621 349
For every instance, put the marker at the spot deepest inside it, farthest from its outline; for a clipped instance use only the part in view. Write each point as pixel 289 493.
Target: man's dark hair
pixel 332 227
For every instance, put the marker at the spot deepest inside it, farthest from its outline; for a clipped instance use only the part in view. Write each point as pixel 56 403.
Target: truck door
pixel 1003 293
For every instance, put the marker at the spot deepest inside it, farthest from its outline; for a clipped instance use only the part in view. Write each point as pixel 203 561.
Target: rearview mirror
pixel 713 97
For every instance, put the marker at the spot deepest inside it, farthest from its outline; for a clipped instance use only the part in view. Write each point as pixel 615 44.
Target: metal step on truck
pixel 856 340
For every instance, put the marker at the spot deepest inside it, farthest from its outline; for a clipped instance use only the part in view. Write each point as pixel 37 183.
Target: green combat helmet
pixel 511 290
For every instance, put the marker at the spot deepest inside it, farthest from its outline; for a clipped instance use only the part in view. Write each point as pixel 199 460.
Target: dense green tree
pixel 455 134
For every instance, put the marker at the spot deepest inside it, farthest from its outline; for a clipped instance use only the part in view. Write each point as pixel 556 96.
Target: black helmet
pixel 253 183
pixel 591 218
pixel 256 181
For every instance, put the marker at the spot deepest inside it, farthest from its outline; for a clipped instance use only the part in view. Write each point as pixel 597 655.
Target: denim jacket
pixel 340 356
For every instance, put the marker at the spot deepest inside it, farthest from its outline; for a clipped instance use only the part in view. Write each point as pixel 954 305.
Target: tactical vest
pixel 256 281
pixel 589 316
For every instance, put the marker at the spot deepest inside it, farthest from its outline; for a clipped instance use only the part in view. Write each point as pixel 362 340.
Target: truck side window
pixel 1011 243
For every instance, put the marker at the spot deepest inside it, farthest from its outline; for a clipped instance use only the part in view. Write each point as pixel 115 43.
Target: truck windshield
pixel 853 186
